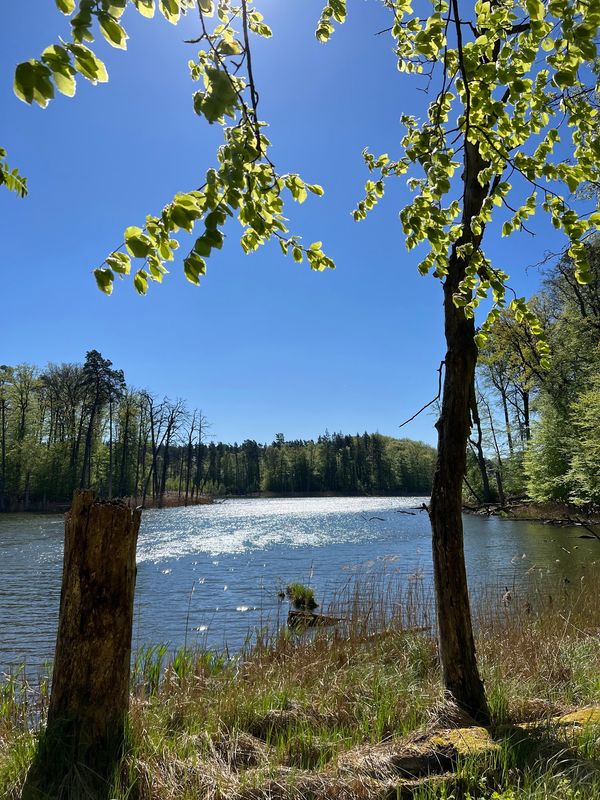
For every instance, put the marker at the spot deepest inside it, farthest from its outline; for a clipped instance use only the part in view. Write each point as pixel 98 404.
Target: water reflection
pixel 211 574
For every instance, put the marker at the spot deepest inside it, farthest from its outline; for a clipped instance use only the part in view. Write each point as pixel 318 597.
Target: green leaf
pixel 32 83
pixel 145 8
pixel 57 58
pixel 193 267
pixel 11 178
pixel 115 8
pixel 202 246
pixel 140 281
pixel 88 64
pixel 113 32
pixel 66 6
pixel 119 262
pixel 138 244
pixel 535 9
pixel 170 10
pixel 220 99
pixel 104 279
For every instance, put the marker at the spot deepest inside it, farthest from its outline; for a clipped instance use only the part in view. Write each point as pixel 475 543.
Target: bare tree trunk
pixel 500 485
pixel 507 422
pixel 479 454
pixel 90 683
pixel 124 448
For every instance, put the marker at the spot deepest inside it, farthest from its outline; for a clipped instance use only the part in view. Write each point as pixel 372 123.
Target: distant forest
pixel 80 425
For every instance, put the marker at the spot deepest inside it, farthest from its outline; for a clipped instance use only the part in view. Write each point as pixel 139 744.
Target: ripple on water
pixel 211 574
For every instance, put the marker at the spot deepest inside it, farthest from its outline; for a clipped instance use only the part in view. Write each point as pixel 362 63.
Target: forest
pixel 80 425
pixel 536 429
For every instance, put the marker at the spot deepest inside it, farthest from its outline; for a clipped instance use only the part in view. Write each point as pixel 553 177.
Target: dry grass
pixel 286 717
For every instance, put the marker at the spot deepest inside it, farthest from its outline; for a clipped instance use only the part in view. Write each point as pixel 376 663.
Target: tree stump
pixel 90 683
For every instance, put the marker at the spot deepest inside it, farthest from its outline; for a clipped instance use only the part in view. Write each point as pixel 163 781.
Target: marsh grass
pixel 273 720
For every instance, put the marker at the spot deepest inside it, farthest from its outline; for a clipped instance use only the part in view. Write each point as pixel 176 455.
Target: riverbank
pixel 529 511
pixel 357 712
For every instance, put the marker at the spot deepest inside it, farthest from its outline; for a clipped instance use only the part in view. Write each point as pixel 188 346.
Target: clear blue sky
pixel 264 345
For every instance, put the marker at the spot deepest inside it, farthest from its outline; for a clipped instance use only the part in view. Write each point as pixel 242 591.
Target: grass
pixel 282 717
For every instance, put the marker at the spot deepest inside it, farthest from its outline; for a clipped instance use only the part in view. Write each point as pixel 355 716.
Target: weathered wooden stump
pixel 90 683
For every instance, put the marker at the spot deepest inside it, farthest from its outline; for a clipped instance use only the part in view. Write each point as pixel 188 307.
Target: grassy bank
pixel 332 714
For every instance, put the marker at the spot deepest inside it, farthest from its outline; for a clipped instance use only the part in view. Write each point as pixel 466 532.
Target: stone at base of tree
pixel 89 701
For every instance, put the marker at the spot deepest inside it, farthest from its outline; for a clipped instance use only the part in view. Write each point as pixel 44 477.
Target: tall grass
pixel 288 705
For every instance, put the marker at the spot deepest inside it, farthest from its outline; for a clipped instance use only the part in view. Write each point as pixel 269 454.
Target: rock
pixel 581 717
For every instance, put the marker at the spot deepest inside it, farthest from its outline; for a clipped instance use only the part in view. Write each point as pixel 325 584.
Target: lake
pixel 211 574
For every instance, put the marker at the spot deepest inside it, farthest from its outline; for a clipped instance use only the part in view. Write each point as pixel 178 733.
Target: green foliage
pixel 301 597
pixel 548 416
pixel 584 472
pixel 11 178
pixel 513 76
pixel 547 458
pixel 245 183
pixel 334 11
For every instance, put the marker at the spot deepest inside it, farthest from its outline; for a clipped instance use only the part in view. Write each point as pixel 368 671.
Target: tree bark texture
pixel 455 632
pixel 90 684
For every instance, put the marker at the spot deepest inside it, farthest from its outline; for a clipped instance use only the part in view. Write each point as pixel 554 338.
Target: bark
pixel 526 418
pixel 86 470
pixel 479 454
pixel 500 485
pixel 90 683
pixel 124 449
pixel 456 642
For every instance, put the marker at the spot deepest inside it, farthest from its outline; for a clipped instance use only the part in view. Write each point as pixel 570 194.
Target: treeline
pixel 537 430
pixel 81 425
pixel 361 464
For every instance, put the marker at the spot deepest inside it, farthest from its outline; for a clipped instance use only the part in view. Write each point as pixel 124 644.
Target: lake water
pixel 211 574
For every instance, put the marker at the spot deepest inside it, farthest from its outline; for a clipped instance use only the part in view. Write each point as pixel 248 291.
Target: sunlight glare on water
pixel 210 575
pixel 239 526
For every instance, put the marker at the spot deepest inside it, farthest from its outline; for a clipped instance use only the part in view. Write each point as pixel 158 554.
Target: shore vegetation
pixel 358 710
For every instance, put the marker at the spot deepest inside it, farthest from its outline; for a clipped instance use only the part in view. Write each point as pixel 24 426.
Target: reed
pixel 275 719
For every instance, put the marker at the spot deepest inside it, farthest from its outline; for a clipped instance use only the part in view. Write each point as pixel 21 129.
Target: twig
pixel 431 402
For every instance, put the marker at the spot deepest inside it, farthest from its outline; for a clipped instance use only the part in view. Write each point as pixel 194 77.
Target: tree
pixel 508 77
pixel 102 384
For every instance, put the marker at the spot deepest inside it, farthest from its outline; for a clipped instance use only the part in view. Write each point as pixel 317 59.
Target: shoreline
pixel 559 514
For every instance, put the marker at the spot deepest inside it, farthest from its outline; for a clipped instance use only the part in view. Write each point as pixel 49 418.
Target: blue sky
pixel 264 345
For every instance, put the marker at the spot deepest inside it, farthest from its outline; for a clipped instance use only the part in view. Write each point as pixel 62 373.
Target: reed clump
pixel 307 715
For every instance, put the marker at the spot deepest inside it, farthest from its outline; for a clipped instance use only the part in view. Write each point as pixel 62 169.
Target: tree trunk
pixel 479 454
pixel 456 643
pixel 90 683
pixel 455 631
pixel 86 472
pixel 507 422
pixel 500 485
pixel 526 420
